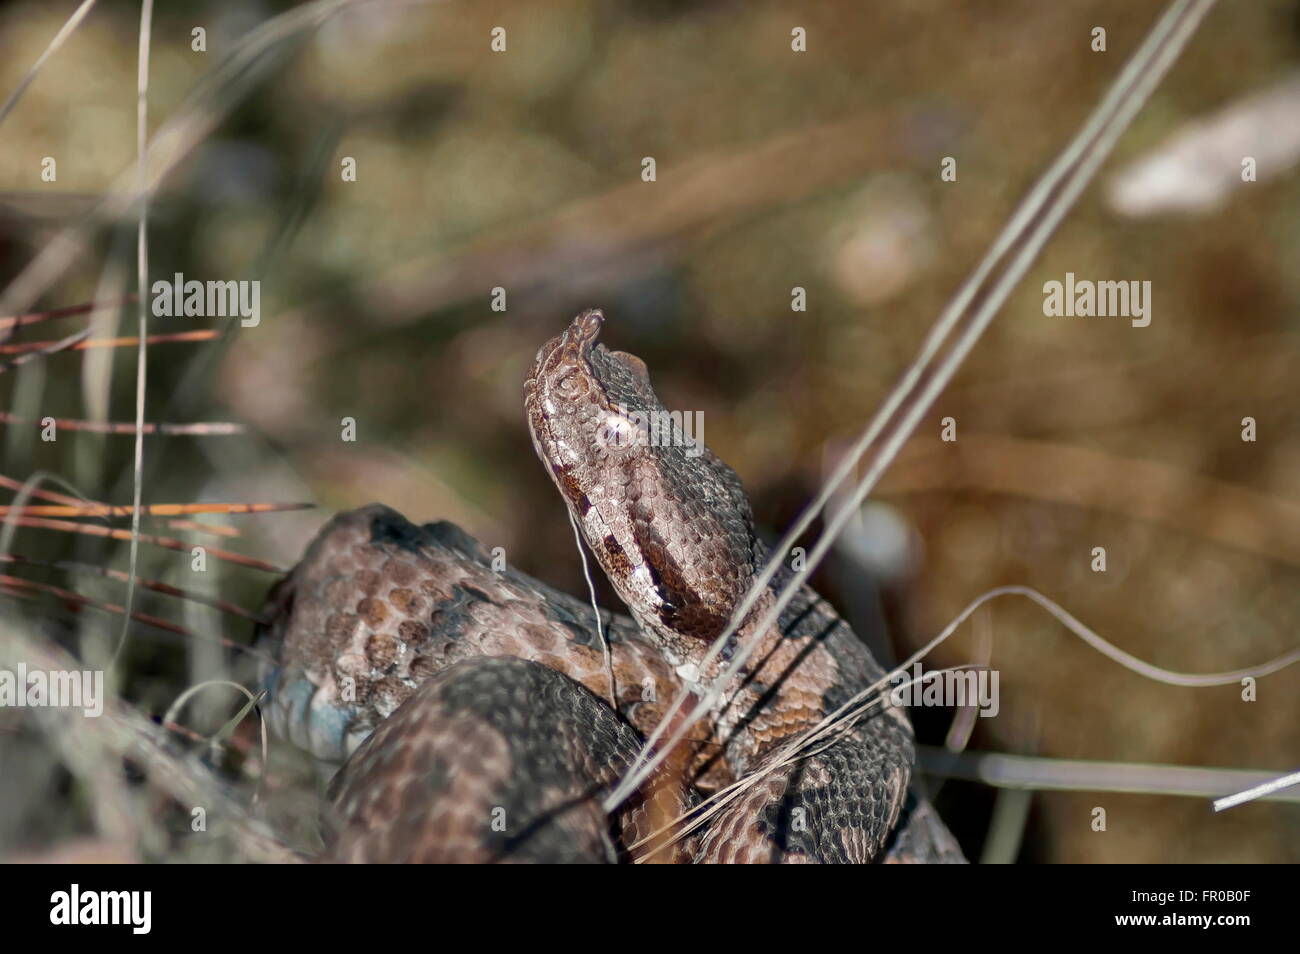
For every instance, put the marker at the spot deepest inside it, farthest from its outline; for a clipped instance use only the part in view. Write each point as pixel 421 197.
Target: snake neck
pixel 670 524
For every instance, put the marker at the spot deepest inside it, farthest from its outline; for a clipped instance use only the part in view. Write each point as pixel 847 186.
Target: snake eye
pixel 573 384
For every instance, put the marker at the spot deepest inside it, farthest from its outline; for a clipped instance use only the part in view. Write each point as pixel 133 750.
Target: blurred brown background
pixel 774 169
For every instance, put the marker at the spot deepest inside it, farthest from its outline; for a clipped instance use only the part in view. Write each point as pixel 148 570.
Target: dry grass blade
pixel 65 31
pixel 212 529
pixel 142 280
pixel 807 744
pixel 848 714
pixel 202 429
pixel 78 344
pixel 8 326
pixel 153 510
pixel 157 622
pixel 127 734
pixel 169 543
pixel 968 315
pixel 31 488
pixel 1081 775
pixel 1274 788
pixel 45 348
pixel 25 491
pixel 175 139
pixel 226 731
pixel 157 586
pixel 1006 827
pixel 595 609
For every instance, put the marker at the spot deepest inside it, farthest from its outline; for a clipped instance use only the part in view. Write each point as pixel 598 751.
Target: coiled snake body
pixel 472 704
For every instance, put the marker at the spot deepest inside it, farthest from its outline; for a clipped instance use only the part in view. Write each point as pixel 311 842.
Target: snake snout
pixel 570 347
pixel 586 327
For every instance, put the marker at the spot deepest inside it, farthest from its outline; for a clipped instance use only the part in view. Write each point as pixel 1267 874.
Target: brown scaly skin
pixel 377 606
pixel 514 755
pixel 671 526
pixel 381 623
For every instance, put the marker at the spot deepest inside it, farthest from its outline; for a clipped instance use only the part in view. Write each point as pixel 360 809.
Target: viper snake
pixel 479 715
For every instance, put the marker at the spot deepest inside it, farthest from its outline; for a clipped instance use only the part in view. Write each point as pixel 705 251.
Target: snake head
pixel 667 520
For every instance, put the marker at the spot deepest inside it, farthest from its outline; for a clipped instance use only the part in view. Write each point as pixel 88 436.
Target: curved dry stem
pixel 1259 791
pixel 969 314
pixel 72 566
pixel 27 489
pixel 68 28
pixel 1037 773
pixel 174 710
pixel 857 706
pixel 127 734
pixel 595 609
pixel 825 734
